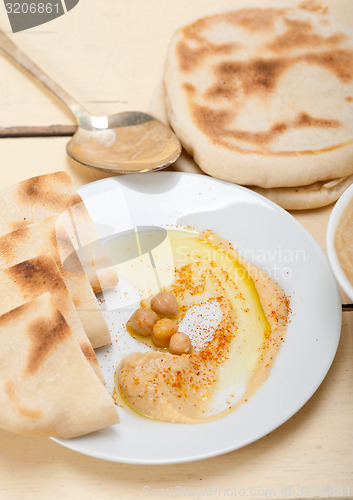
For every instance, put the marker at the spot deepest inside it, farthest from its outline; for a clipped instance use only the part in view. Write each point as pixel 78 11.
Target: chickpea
pixel 180 344
pixel 165 304
pixel 143 321
pixel 162 331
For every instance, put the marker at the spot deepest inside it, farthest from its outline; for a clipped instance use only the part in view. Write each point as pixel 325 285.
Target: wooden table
pixel 109 55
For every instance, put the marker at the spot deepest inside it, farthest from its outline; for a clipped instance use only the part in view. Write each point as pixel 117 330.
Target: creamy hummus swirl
pixel 246 340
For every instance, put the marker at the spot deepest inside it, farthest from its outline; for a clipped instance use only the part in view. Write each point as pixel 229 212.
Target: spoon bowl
pixel 122 143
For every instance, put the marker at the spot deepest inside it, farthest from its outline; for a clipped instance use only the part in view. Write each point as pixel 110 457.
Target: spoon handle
pixel 11 49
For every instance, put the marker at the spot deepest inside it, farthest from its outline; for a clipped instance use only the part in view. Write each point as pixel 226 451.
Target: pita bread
pixel 312 196
pixel 43 196
pixel 95 262
pixel 316 195
pixel 31 278
pixel 264 96
pixel 48 236
pixel 34 199
pixel 47 386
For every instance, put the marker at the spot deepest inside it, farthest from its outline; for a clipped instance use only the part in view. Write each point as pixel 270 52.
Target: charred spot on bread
pixel 45 335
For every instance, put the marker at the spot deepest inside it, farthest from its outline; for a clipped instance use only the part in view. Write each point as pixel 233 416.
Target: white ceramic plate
pixel 330 241
pixel 264 234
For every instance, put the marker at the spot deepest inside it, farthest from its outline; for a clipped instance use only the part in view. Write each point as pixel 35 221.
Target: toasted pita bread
pixel 43 196
pixel 34 199
pixel 95 262
pixel 264 96
pixel 47 386
pixel 48 236
pixel 312 196
pixel 29 279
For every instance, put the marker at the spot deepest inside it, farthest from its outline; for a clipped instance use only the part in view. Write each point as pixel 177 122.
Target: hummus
pixel 248 314
pixel 344 241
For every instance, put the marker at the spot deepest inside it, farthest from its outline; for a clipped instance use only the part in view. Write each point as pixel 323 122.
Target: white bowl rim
pixel 333 222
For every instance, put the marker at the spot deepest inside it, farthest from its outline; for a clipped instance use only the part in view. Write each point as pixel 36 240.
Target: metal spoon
pixel 122 143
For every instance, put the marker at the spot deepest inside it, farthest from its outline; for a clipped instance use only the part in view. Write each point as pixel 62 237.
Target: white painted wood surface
pixel 108 54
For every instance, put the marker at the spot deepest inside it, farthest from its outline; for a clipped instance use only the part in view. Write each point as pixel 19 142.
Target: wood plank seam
pixel 44 131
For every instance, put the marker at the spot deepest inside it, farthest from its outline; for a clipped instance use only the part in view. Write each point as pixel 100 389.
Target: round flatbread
pixel 316 195
pixel 264 96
